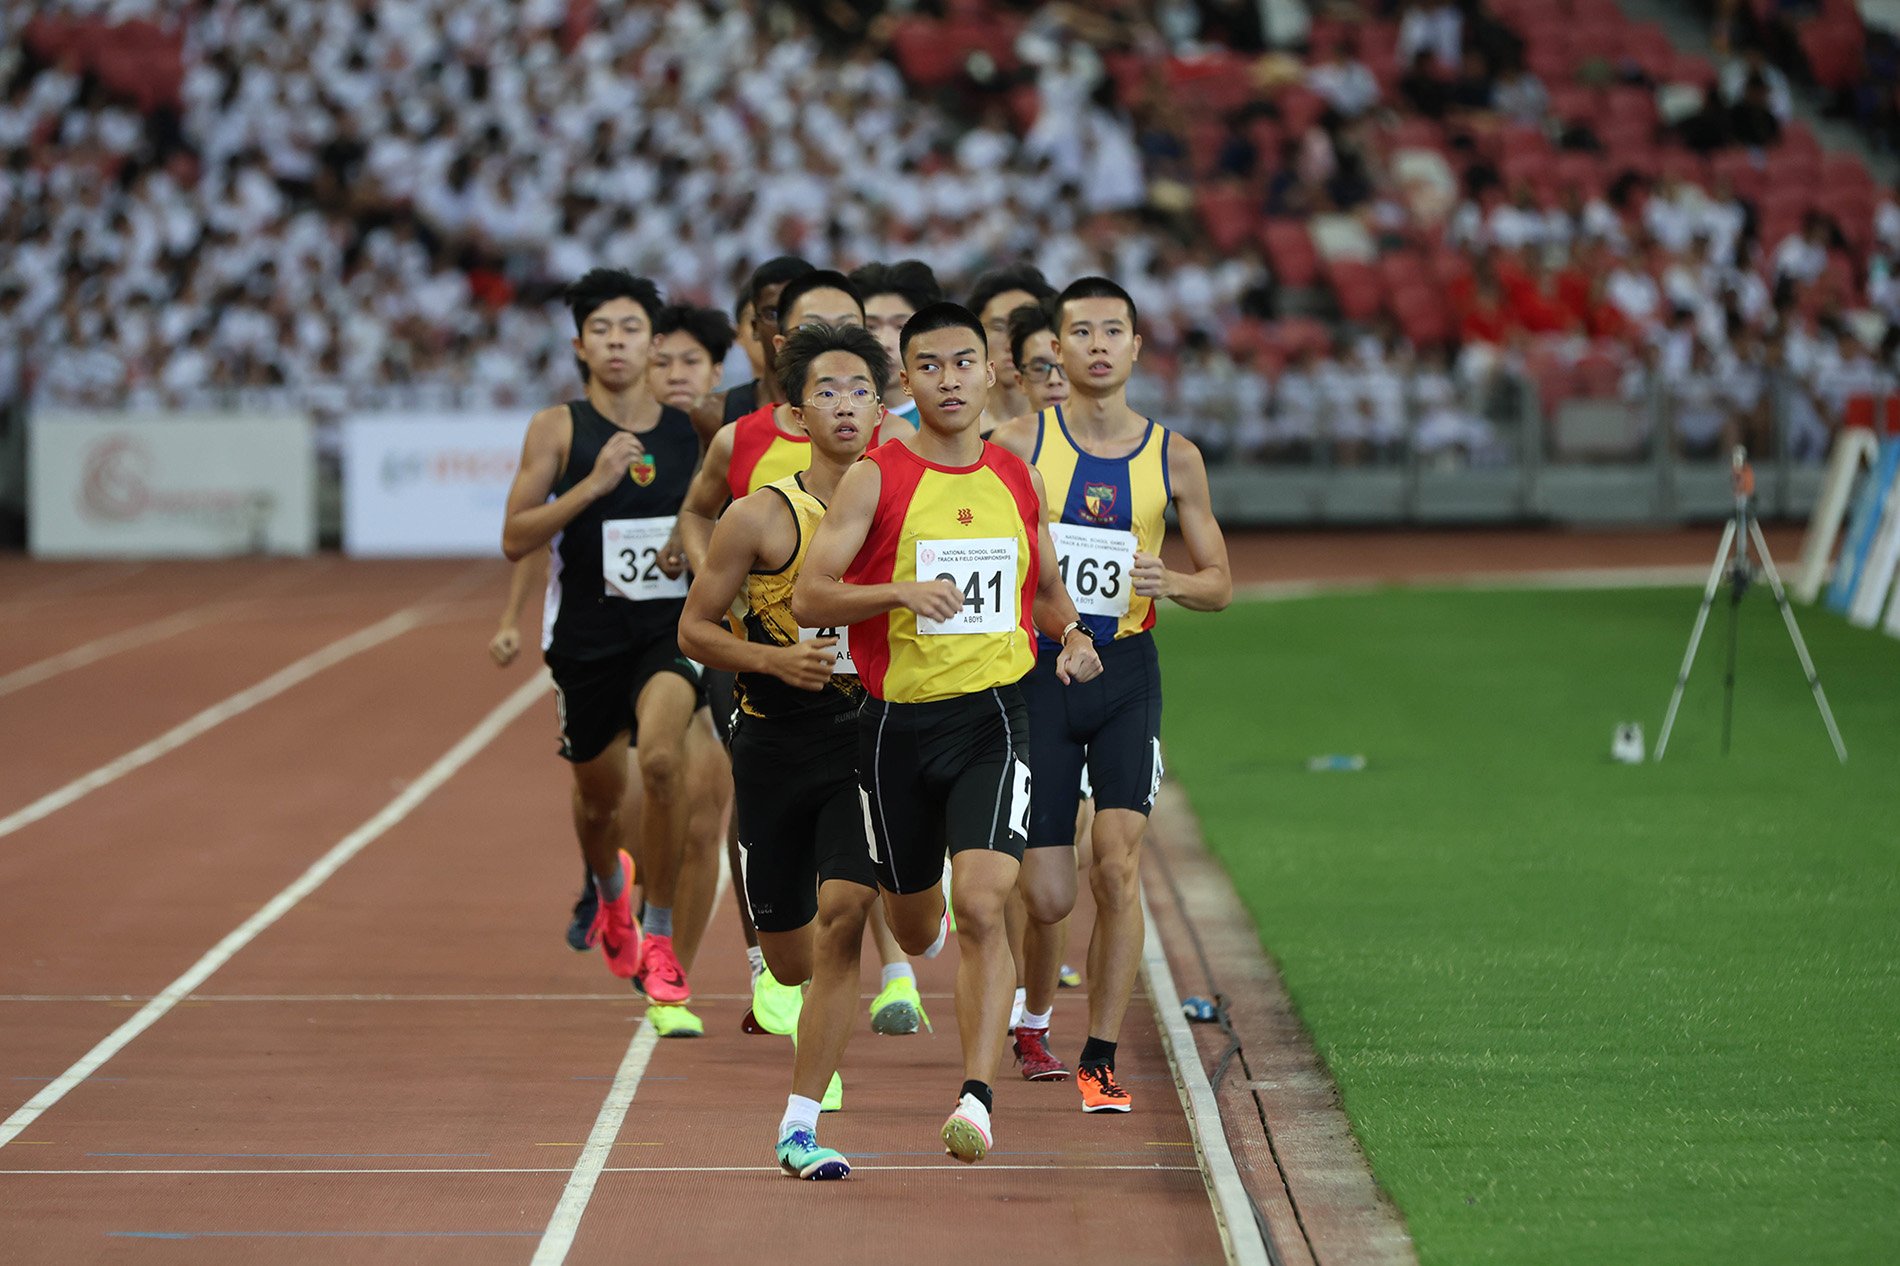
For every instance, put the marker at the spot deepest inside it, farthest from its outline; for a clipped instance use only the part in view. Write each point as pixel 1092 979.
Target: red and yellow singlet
pixel 976 526
pixel 763 454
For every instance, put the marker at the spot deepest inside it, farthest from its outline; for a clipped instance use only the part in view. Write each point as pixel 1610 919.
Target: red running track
pixel 405 1063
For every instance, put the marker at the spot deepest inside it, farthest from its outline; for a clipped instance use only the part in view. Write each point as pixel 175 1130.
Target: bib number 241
pixel 984 570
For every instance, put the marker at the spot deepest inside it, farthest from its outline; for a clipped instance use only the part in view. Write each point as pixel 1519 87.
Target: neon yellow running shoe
pixel 775 1007
pixel 673 1020
pixel 1069 978
pixel 834 1096
pixel 898 1010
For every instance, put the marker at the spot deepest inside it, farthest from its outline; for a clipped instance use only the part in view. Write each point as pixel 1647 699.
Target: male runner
pixel 935 553
pixel 762 295
pixel 892 295
pixel 758 449
pixel 602 478
pixel 1113 474
pixel 995 295
pixel 794 741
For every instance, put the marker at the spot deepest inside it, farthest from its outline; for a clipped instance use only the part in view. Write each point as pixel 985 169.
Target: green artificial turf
pixel 1578 1011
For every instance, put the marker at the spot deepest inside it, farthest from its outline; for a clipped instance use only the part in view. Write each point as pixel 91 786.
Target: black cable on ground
pixel 1236 1050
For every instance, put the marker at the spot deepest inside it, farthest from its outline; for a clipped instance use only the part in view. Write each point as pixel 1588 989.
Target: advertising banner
pixel 170 485
pixel 429 484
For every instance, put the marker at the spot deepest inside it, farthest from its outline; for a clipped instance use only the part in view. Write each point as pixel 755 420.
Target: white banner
pixel 428 484
pixel 171 485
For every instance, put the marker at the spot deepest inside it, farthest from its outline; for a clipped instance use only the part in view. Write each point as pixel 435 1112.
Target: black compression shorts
pixel 801 821
pixel 943 776
pixel 596 697
pixel 1111 725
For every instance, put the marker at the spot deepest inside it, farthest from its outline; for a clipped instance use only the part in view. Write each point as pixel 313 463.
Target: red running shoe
pixel 614 929
pixel 661 978
pixel 1032 1052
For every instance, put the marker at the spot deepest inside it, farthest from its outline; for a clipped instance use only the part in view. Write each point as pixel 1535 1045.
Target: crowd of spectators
pixel 364 203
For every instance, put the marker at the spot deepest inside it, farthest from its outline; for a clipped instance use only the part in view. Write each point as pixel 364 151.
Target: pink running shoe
pixel 614 929
pixel 661 978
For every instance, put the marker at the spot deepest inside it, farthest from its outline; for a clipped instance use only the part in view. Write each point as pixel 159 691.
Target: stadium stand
pixel 1378 242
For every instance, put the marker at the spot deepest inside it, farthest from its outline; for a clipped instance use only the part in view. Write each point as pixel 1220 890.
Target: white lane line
pixel 104 647
pixel 947 1167
pixel 565 1222
pixel 1233 1208
pixel 484 733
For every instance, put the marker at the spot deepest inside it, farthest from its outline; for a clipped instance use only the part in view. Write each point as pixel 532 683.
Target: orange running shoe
pixel 661 978
pixel 1032 1052
pixel 614 929
pixel 1100 1091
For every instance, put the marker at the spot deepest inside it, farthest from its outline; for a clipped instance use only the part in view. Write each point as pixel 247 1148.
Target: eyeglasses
pixel 829 400
pixel 1040 370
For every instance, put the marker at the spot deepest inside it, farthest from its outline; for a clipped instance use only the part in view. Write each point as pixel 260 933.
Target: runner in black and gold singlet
pixel 808 875
pixel 936 554
pixel 1111 476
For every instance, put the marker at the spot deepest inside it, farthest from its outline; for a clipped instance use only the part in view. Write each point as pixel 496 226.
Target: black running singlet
pixel 606 593
pixel 741 400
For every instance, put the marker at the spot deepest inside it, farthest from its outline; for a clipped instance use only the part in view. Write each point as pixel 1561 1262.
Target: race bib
pixel 843 663
pixel 630 559
pixel 1096 566
pixel 985 570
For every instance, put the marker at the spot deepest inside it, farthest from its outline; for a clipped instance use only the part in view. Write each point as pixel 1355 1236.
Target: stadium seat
pixel 1422 315
pixel 1290 252
pixel 923 54
pixel 1356 287
pixel 1228 213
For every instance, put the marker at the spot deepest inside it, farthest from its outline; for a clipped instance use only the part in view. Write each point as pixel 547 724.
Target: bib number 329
pixel 630 559
pixel 1095 564
pixel 984 570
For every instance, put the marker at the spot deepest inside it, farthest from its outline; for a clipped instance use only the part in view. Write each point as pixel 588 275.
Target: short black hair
pixel 808 342
pixel 1023 276
pixel 601 286
pixel 911 279
pixel 1095 288
pixel 774 272
pixel 810 280
pixel 1030 318
pixel 943 315
pixel 740 305
pixel 708 325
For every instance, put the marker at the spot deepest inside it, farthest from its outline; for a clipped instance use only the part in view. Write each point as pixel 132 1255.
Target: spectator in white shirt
pixel 1344 81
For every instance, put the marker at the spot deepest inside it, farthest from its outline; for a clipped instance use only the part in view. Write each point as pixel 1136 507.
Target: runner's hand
pixel 673 556
pixel 1150 577
pixel 808 665
pixel 932 599
pixel 615 460
pixel 505 645
pixel 1079 661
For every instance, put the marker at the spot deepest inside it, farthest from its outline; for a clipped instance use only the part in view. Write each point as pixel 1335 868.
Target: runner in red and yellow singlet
pixel 936 554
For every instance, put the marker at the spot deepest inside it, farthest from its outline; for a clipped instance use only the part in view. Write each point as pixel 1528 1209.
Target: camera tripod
pixel 1732 560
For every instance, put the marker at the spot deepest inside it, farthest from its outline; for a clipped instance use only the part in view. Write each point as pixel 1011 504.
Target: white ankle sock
pixel 1030 1020
pixel 798 1111
pixel 756 957
pixel 1016 1008
pixel 896 971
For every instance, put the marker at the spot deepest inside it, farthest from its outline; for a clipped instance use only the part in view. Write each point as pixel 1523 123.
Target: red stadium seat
pixel 1356 286
pixel 1300 109
pixel 1422 315
pixel 1290 252
pixel 1834 52
pixel 923 54
pixel 1228 212
pixel 1574 103
pixel 1585 171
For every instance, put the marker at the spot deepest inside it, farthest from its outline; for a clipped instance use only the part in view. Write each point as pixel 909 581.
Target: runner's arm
pixel 822 600
pixel 533 520
pixel 741 541
pixel 528 574
pixel 1210 586
pixel 708 418
pixel 705 498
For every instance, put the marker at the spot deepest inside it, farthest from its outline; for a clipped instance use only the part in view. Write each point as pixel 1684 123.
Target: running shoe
pixel 834 1095
pixel 775 1007
pixel 898 1010
pixel 1068 978
pixel 1032 1052
pixel 966 1135
pixel 800 1156
pixel 615 930
pixel 580 928
pixel 1100 1091
pixel 674 1021
pixel 660 977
